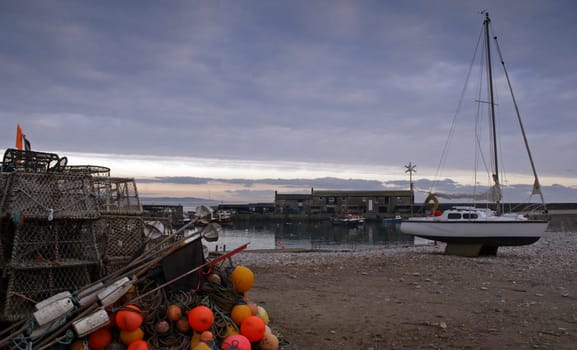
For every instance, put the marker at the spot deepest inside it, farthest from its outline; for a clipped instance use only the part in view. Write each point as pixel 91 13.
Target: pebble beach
pixel 416 297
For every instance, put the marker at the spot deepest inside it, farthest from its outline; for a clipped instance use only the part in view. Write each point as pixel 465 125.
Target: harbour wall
pixel 559 220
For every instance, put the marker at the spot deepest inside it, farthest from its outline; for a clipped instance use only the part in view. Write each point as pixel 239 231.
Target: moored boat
pixel 472 231
pixel 349 219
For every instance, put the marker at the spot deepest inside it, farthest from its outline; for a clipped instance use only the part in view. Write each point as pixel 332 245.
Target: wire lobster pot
pixel 121 235
pixel 50 196
pixel 28 286
pixel 117 196
pixel 40 243
pixel 92 170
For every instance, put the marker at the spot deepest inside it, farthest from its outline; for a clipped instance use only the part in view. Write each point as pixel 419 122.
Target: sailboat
pixel 471 230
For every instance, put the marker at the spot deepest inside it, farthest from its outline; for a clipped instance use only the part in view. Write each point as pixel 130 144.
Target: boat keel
pixel 471 249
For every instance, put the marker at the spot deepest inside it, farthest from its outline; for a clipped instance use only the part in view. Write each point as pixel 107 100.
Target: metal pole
pixel 411 168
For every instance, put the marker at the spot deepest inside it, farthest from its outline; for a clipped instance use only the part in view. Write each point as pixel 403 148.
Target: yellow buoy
pixel 129 337
pixel 242 279
pixel 261 312
pixel 194 340
pixel 230 329
pixel 202 346
pixel 239 313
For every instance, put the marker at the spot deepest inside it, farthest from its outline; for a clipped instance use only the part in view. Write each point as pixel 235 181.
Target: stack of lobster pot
pixel 48 231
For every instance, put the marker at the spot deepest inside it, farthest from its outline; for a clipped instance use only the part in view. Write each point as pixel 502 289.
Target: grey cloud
pixel 334 81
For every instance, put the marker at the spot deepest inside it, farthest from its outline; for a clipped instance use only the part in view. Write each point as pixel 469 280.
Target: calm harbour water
pixel 311 235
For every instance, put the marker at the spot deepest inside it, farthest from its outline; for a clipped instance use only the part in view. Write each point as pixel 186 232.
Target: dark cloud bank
pixel 512 193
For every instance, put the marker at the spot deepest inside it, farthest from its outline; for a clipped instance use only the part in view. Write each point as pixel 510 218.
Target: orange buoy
pixel 239 313
pixel 236 342
pixel 174 312
pixel 206 337
pixel 138 345
pixel 99 339
pixel 200 318
pixel 77 345
pixel 214 278
pixel 242 279
pixel 253 328
pixel 128 318
pixel 269 342
pixel 182 325
pixel 127 338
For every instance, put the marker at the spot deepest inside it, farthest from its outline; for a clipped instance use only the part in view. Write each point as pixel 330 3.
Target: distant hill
pixel 188 203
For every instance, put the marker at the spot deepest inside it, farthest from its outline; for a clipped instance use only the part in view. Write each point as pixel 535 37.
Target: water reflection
pixel 310 235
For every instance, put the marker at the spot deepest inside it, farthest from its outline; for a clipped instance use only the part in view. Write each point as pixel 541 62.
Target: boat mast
pixel 536 184
pixel 492 105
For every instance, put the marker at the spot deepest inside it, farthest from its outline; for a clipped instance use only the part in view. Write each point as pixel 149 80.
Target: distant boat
pixel 472 231
pixel 396 220
pixel 221 216
pixel 348 219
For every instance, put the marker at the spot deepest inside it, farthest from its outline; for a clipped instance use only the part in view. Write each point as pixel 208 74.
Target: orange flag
pixel 19 136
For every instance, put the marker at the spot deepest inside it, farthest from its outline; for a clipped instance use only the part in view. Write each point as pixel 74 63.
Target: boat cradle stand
pixel 471 249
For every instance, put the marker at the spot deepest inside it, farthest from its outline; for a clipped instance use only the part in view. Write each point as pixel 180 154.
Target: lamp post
pixel 411 168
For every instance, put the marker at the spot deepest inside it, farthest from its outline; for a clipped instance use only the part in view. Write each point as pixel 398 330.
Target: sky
pixel 232 100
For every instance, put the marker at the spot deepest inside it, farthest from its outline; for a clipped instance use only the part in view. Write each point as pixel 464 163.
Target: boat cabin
pixel 466 213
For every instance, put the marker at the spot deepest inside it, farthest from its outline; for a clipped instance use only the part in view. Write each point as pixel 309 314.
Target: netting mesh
pixel 41 242
pixel 51 195
pixel 117 196
pixel 121 236
pixel 26 287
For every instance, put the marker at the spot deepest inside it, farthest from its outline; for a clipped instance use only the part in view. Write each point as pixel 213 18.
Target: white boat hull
pixel 489 232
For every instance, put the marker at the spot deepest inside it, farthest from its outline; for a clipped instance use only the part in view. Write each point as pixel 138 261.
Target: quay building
pixel 371 204
pixel 368 203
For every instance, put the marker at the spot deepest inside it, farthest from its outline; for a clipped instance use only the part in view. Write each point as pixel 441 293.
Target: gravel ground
pixel 418 298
